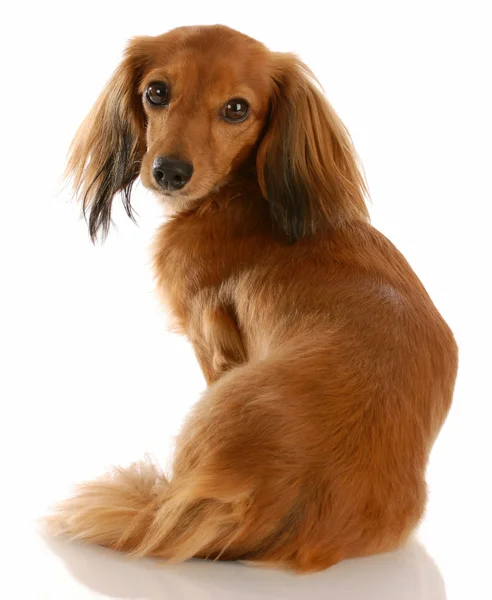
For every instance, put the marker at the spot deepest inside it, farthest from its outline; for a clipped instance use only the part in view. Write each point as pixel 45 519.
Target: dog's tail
pixel 139 512
pixel 235 490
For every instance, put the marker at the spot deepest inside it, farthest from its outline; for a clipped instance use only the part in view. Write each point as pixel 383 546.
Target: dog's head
pixel 188 110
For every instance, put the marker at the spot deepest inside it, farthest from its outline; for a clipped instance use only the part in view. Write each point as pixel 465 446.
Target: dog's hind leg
pixel 268 468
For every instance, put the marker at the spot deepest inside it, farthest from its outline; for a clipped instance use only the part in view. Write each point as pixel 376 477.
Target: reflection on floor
pixel 408 574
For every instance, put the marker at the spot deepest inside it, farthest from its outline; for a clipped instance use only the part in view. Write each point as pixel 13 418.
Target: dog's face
pixel 205 100
pixel 188 110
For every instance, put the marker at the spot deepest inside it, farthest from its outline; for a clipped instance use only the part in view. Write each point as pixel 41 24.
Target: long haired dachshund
pixel 330 372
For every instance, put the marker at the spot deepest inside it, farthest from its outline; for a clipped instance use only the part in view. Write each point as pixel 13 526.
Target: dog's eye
pixel 158 93
pixel 235 110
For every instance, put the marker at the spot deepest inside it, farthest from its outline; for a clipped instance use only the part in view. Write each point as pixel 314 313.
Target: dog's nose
pixel 170 173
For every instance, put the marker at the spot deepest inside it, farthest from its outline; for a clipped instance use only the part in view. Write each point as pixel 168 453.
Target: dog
pixel 329 370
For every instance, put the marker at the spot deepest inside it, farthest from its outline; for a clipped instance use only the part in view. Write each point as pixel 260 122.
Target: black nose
pixel 170 173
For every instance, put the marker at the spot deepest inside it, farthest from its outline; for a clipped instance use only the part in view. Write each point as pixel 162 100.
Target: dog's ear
pixel 307 167
pixel 105 155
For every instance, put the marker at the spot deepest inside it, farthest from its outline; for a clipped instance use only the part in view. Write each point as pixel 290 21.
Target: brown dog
pixel 330 371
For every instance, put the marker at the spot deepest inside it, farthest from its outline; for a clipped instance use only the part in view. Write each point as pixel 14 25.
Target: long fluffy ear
pixel 307 167
pixel 105 155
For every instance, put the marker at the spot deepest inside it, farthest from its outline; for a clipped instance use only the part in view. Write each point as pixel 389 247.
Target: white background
pixel 91 378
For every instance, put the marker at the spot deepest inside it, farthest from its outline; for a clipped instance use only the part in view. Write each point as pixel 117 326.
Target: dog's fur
pixel 329 370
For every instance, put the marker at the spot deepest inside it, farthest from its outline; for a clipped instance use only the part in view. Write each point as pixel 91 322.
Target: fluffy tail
pixel 235 487
pixel 137 511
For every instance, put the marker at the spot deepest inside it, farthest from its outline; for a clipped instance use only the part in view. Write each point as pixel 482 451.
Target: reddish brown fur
pixel 329 370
